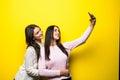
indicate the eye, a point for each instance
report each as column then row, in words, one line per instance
column 55, row 30
column 38, row 32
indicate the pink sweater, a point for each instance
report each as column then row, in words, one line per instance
column 51, row 69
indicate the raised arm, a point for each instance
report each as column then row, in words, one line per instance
column 72, row 44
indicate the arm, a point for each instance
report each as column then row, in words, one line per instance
column 84, row 37
column 31, row 62
column 31, row 66
column 47, row 72
column 52, row 73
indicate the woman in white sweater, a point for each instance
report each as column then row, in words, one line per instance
column 29, row 70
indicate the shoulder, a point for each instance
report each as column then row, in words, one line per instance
column 65, row 44
column 30, row 51
column 42, row 52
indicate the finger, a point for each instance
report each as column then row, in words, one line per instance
column 92, row 16
column 93, row 20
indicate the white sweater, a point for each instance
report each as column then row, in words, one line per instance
column 29, row 70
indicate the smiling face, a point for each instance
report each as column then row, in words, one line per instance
column 56, row 33
column 38, row 34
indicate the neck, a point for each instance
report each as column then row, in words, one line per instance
column 38, row 41
column 53, row 43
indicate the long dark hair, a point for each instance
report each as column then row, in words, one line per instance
column 29, row 31
column 48, row 40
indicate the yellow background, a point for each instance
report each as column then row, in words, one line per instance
column 97, row 59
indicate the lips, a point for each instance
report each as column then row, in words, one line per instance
column 57, row 35
column 40, row 35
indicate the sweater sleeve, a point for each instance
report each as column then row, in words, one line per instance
column 72, row 44
column 31, row 62
column 42, row 68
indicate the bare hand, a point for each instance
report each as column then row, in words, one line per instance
column 64, row 72
column 92, row 19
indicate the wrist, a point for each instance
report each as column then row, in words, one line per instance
column 91, row 25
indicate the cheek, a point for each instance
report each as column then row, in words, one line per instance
column 53, row 35
column 36, row 36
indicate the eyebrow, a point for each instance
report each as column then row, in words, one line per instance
column 38, row 31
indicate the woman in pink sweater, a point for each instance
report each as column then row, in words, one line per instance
column 55, row 54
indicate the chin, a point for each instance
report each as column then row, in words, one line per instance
column 41, row 37
column 57, row 38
